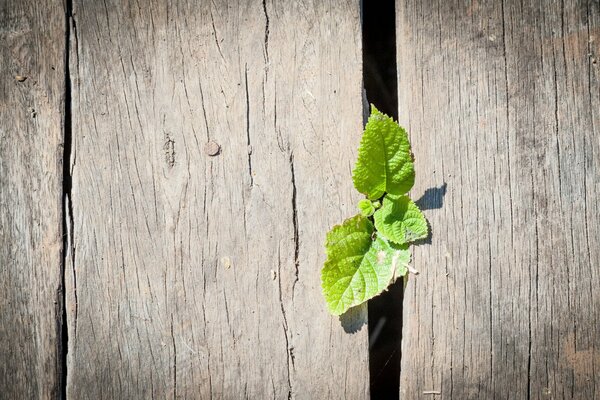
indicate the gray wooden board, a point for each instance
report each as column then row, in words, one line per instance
column 197, row 276
column 32, row 46
column 502, row 102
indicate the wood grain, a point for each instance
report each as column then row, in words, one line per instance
column 197, row 276
column 32, row 50
column 502, row 102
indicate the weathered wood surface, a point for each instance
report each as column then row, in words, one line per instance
column 502, row 102
column 197, row 276
column 31, row 119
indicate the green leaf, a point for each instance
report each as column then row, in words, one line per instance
column 358, row 267
column 400, row 259
column 384, row 158
column 366, row 207
column 400, row 220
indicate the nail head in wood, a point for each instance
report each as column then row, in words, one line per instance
column 212, row 148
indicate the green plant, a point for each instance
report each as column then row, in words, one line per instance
column 366, row 253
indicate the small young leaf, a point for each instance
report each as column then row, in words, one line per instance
column 384, row 158
column 357, row 267
column 400, row 220
column 366, row 207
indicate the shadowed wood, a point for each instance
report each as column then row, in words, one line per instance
column 502, row 102
column 32, row 50
column 196, row 266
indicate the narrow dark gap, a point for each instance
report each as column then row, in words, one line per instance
column 380, row 81
column 379, row 55
column 67, row 214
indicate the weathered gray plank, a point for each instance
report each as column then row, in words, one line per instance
column 198, row 276
column 32, row 46
column 502, row 101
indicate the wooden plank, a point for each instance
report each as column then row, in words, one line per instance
column 502, row 102
column 32, row 50
column 198, row 276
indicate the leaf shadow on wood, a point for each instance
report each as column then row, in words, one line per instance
column 354, row 319
column 432, row 199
